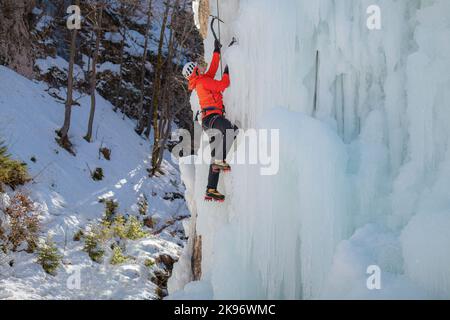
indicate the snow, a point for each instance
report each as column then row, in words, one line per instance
column 45, row 66
column 36, row 11
column 134, row 39
column 69, row 198
column 198, row 290
column 135, row 43
column 43, row 23
column 364, row 183
column 103, row 67
column 109, row 66
column 114, row 37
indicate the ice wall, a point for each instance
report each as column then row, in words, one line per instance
column 374, row 164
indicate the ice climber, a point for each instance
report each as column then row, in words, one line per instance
column 210, row 94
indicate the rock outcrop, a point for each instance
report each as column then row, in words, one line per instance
column 15, row 37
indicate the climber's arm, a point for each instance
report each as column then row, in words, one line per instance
column 214, row 66
column 217, row 85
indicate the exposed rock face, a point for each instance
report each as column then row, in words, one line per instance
column 196, row 262
column 162, row 275
column 15, row 38
column 204, row 13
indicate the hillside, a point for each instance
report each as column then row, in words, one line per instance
column 68, row 198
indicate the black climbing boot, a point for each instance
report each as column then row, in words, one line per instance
column 214, row 195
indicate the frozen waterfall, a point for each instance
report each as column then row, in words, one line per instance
column 364, row 178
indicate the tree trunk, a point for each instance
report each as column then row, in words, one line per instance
column 165, row 137
column 69, row 101
column 160, row 135
column 63, row 133
column 119, row 82
column 98, row 26
column 157, row 83
column 127, row 8
column 141, row 122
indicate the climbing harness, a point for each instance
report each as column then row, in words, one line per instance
column 208, row 109
column 211, row 122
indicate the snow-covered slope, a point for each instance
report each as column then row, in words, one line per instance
column 69, row 198
column 365, row 183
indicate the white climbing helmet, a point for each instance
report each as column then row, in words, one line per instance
column 189, row 69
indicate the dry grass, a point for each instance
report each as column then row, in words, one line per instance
column 12, row 173
column 22, row 225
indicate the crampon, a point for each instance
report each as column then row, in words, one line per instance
column 214, row 195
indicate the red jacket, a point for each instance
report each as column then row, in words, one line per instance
column 210, row 91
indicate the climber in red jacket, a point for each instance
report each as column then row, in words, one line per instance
column 210, row 94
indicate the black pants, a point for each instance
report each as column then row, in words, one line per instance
column 220, row 123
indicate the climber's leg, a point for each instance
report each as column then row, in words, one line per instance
column 224, row 141
column 213, row 178
column 223, row 138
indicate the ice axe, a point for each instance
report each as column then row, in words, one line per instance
column 233, row 42
column 214, row 18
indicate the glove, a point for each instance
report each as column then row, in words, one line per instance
column 217, row 46
column 227, row 70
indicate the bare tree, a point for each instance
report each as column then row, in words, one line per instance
column 180, row 32
column 98, row 8
column 126, row 9
column 63, row 133
column 166, row 101
column 157, row 92
column 141, row 122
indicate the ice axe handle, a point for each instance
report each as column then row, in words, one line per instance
column 214, row 18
